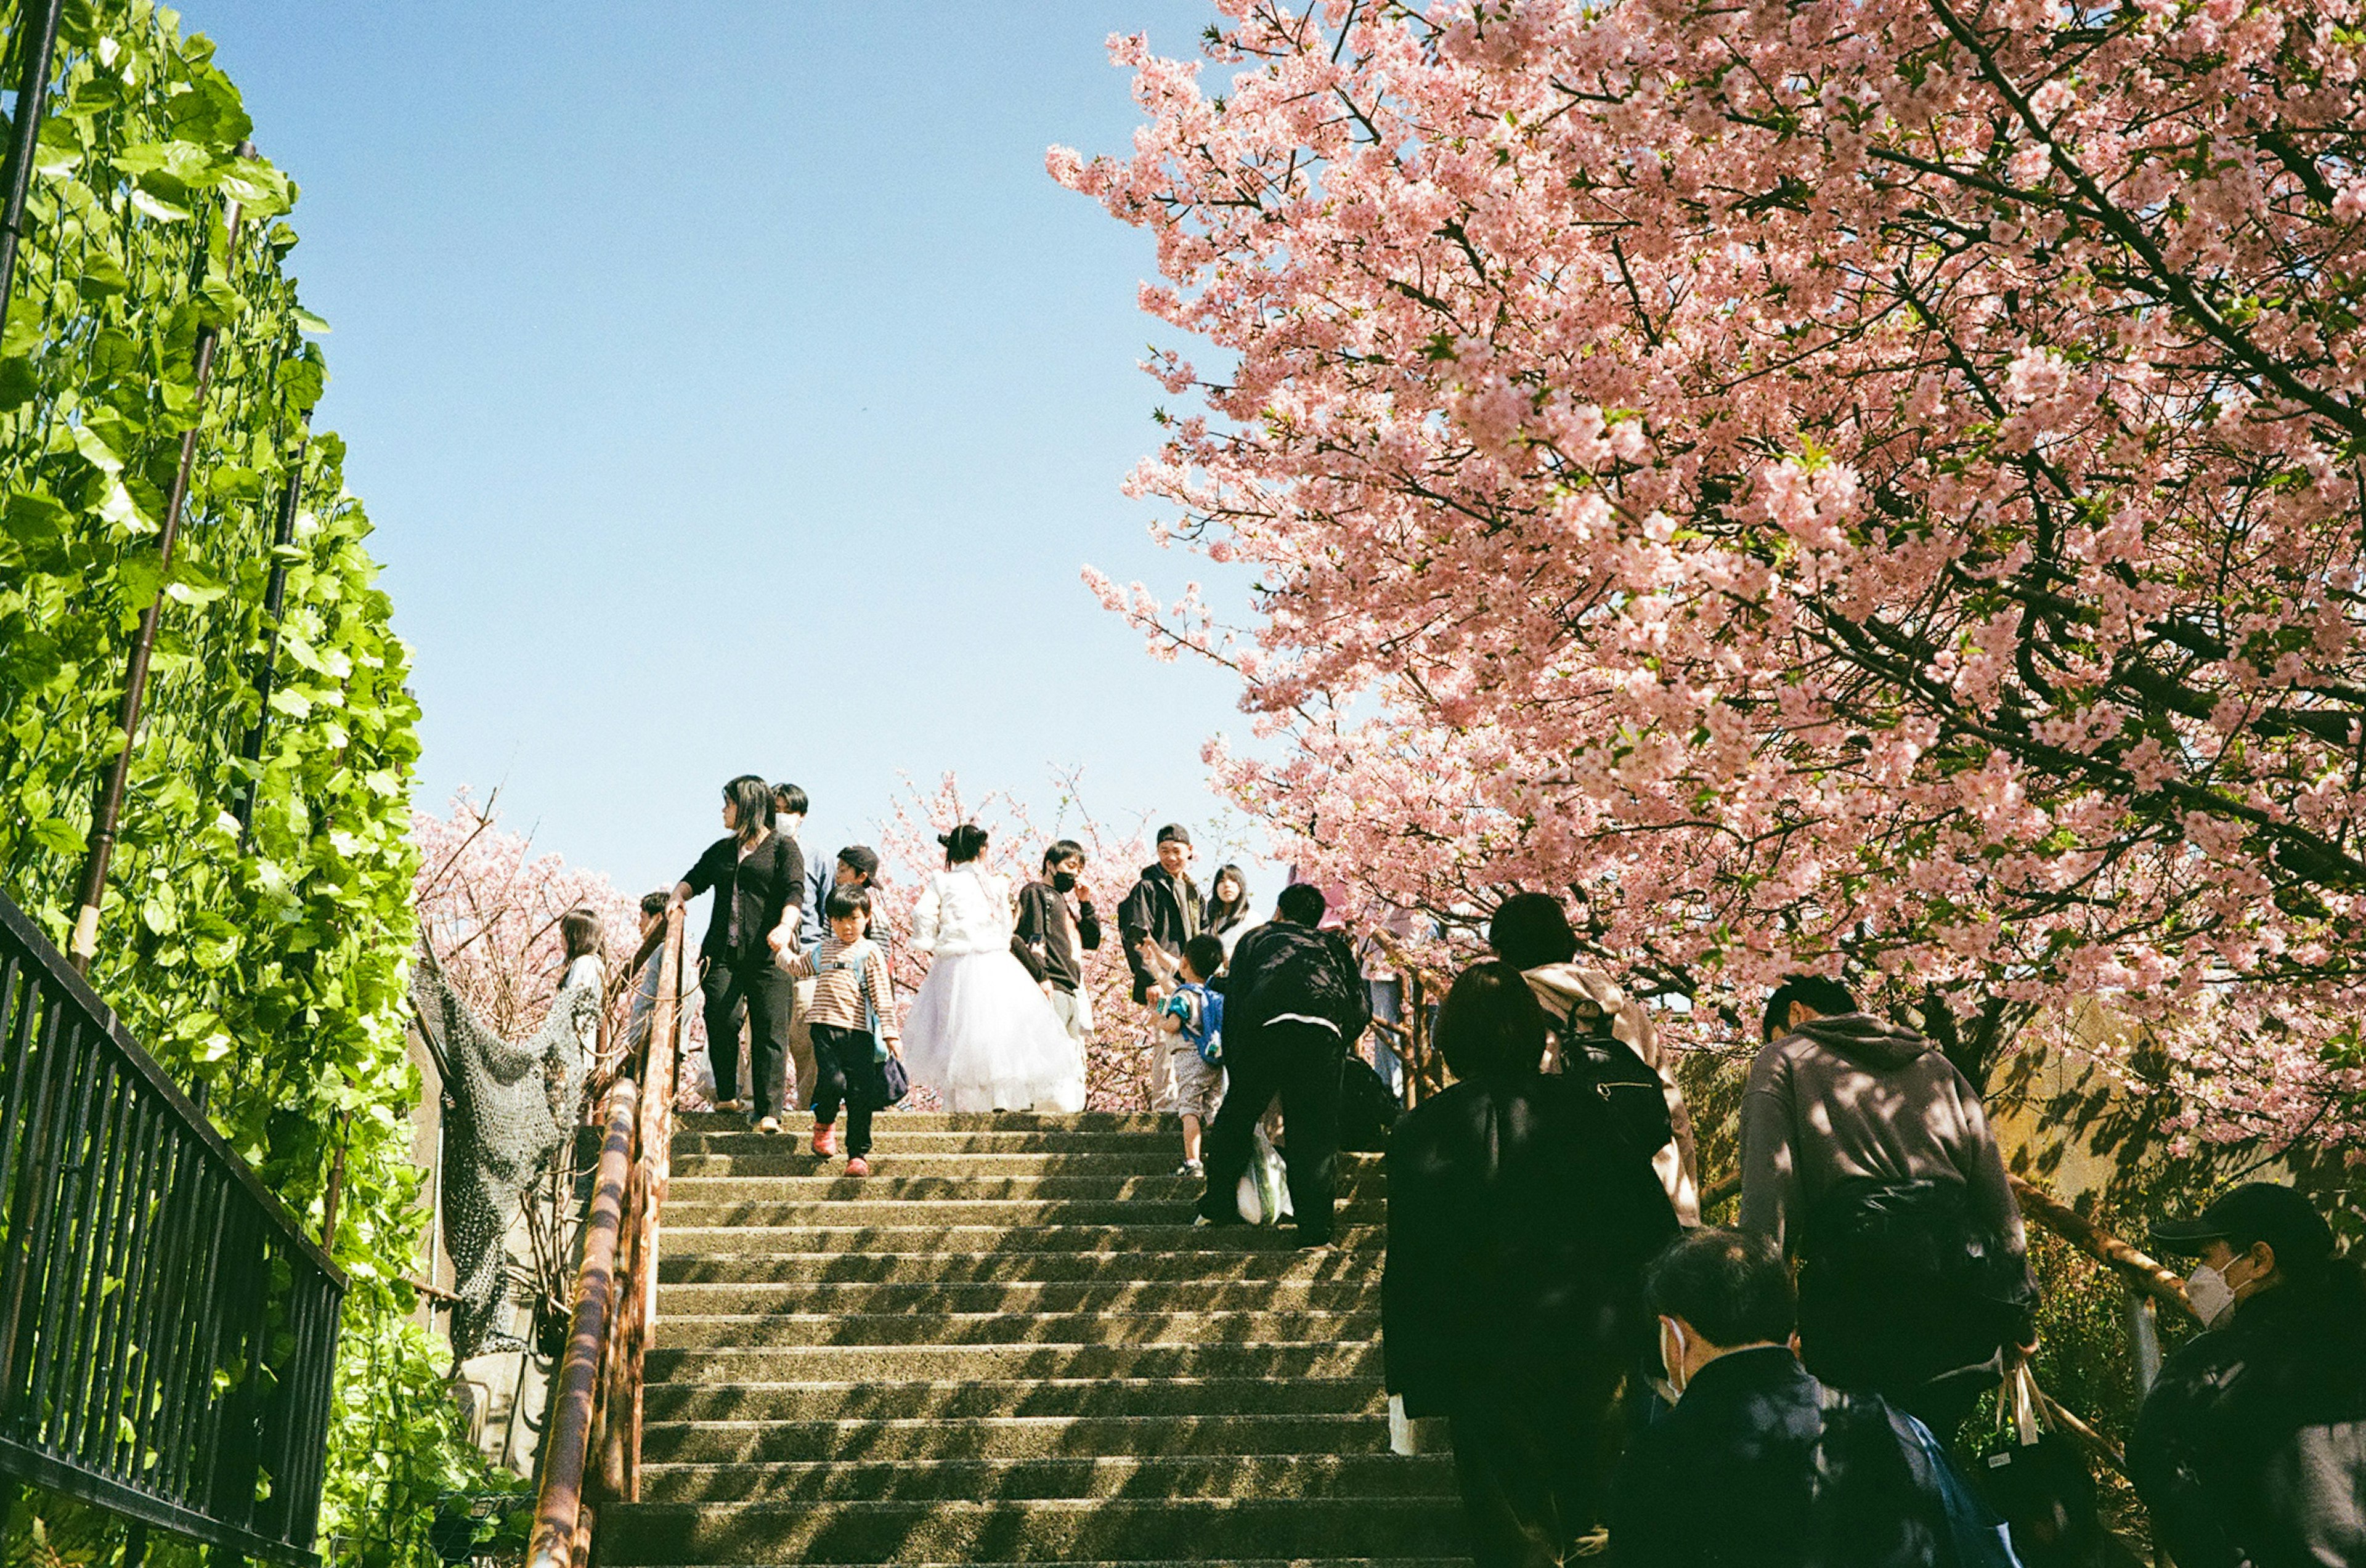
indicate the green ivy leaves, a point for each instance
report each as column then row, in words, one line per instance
column 265, row 962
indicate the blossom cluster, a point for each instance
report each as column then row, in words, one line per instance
column 1865, row 486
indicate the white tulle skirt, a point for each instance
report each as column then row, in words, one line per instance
column 983, row 1036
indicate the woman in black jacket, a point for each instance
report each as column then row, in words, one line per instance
column 1519, row 1224
column 758, row 876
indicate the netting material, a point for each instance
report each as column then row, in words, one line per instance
column 512, row 1109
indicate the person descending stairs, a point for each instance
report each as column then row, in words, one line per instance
column 1011, row 1345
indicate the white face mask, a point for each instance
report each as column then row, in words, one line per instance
column 2212, row 1296
column 1672, row 1353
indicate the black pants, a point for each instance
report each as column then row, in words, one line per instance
column 1300, row 1063
column 1531, row 1456
column 770, row 996
column 846, row 1073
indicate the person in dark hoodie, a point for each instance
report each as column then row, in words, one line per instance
column 1293, row 1006
column 1867, row 1157
column 2251, row 1447
column 1519, row 1224
column 1164, row 908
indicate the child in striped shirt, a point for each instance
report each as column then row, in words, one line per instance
column 853, row 1020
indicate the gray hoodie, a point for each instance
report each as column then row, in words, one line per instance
column 1859, row 1097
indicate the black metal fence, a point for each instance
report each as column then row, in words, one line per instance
column 167, row 1333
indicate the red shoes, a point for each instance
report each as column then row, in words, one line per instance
column 858, row 1166
column 825, row 1138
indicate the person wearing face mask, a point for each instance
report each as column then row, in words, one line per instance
column 1511, row 1303
column 1759, row 1465
column 1057, row 926
column 2250, row 1450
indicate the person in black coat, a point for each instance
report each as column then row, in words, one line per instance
column 1519, row 1224
column 1293, row 1005
column 1164, row 908
column 1759, row 1465
column 2250, row 1450
column 758, row 876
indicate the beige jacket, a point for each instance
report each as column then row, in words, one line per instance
column 1561, row 988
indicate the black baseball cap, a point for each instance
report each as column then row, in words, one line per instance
column 2257, row 1210
column 1174, row 833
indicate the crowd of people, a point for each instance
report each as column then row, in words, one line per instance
column 1786, row 1390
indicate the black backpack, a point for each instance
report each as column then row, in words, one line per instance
column 1627, row 1086
column 1367, row 1111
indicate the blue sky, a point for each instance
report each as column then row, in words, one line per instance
column 732, row 391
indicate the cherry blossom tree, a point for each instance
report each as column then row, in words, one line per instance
column 489, row 909
column 1865, row 486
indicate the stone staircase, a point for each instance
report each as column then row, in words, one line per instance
column 1011, row 1345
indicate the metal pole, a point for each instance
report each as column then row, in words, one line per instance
column 100, row 848
column 24, row 134
column 275, row 598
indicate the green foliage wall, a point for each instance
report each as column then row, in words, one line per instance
column 268, row 973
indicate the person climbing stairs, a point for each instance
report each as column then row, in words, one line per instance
column 1011, row 1345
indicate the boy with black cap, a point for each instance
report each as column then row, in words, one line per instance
column 1165, row 910
column 2251, row 1451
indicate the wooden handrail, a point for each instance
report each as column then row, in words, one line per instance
column 596, row 1399
column 2140, row 1270
column 559, row 1517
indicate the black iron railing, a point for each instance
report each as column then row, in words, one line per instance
column 167, row 1333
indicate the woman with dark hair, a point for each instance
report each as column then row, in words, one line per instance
column 1519, row 1224
column 982, row 1032
column 1228, row 908
column 1601, row 1034
column 759, row 879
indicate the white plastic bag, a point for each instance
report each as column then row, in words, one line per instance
column 1264, row 1195
column 1409, row 1435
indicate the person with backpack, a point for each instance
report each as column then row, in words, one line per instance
column 1604, row 1038
column 1760, row 1464
column 1192, row 1020
column 1293, row 1005
column 1867, row 1157
column 1511, row 1301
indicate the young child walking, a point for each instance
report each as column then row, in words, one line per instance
column 853, row 1022
column 1192, row 1020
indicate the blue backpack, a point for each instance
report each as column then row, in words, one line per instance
column 1208, row 1037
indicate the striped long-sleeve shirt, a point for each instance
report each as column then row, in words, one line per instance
column 850, row 981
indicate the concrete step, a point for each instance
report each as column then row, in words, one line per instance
column 1009, row 1437
column 893, row 1183
column 873, row 1210
column 1049, row 1124
column 912, row 1157
column 1330, row 1264
column 929, row 1363
column 744, row 1142
column 1161, row 1398
column 924, row 1232
column 1034, row 1296
column 1042, row 1531
column 1306, row 1476
column 1229, row 1563
column 781, row 1330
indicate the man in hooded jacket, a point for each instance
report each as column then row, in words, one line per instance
column 1867, row 1156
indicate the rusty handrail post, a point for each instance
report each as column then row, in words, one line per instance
column 558, row 1514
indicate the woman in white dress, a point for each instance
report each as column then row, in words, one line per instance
column 981, row 1032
